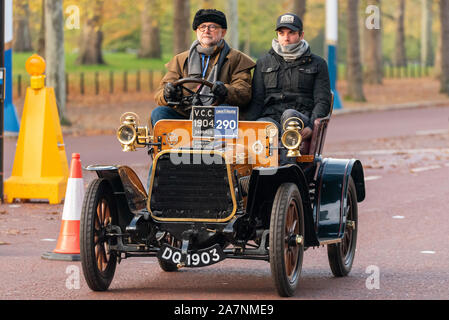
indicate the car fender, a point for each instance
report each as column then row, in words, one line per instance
column 263, row 185
column 331, row 193
column 129, row 193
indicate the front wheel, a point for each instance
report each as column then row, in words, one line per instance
column 99, row 212
column 341, row 255
column 287, row 239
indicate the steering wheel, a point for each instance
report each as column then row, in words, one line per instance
column 193, row 98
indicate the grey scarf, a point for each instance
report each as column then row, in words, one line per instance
column 195, row 65
column 290, row 52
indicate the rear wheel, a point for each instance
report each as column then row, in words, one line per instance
column 99, row 212
column 341, row 255
column 286, row 239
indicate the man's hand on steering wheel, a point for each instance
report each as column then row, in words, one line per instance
column 172, row 93
column 220, row 90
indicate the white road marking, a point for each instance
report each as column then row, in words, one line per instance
column 428, row 252
column 370, row 178
column 431, row 132
column 49, row 240
column 398, row 217
column 414, row 170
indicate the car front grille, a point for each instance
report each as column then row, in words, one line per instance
column 193, row 190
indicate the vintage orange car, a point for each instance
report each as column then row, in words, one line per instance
column 217, row 191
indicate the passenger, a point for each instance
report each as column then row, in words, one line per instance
column 290, row 81
column 209, row 58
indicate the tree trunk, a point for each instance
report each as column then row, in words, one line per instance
column 437, row 64
column 41, row 38
column 22, row 36
column 426, row 34
column 355, row 78
column 444, row 19
column 372, row 53
column 55, row 58
column 400, row 58
column 182, row 27
column 150, row 43
column 92, row 36
column 233, row 24
column 299, row 8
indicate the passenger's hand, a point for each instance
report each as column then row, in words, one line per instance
column 220, row 90
column 171, row 93
column 306, row 133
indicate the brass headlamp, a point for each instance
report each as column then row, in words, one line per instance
column 130, row 134
column 291, row 139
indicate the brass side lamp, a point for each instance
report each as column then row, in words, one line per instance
column 291, row 138
column 130, row 134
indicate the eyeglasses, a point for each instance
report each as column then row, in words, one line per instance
column 211, row 27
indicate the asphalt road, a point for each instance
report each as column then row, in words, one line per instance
column 402, row 238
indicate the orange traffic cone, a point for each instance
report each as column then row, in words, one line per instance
column 68, row 245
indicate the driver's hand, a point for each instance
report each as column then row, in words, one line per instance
column 220, row 90
column 171, row 93
column 306, row 133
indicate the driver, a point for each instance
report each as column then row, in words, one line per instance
column 209, row 58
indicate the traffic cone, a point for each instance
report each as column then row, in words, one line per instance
column 68, row 245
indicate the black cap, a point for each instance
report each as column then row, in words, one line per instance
column 289, row 20
column 209, row 15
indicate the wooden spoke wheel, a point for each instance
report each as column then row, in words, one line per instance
column 287, row 239
column 98, row 212
column 341, row 255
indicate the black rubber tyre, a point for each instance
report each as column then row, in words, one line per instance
column 98, row 211
column 287, row 222
column 167, row 266
column 341, row 255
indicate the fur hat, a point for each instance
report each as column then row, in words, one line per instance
column 209, row 15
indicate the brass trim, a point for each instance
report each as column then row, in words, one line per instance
column 231, row 186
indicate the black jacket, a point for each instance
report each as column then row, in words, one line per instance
column 279, row 85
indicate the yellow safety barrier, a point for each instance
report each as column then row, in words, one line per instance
column 40, row 168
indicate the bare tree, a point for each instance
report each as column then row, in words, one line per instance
column 41, row 38
column 22, row 38
column 150, row 43
column 299, row 8
column 444, row 19
column 400, row 58
column 372, row 53
column 92, row 35
column 54, row 48
column 182, row 28
column 233, row 23
column 426, row 33
column 355, row 77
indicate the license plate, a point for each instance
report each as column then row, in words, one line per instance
column 215, row 122
column 194, row 259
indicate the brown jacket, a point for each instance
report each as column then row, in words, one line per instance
column 235, row 74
